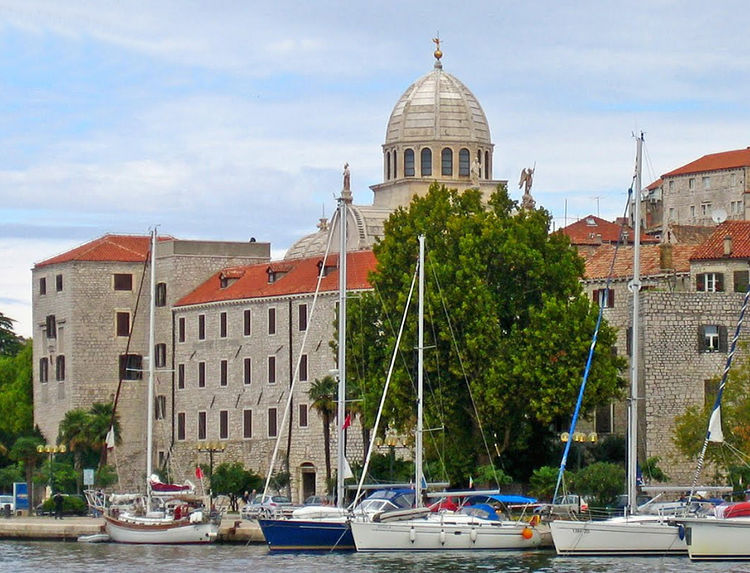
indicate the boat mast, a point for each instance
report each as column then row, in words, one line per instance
column 635, row 288
column 344, row 201
column 151, row 338
column 420, row 381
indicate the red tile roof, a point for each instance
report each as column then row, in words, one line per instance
column 592, row 230
column 715, row 162
column 599, row 262
column 713, row 247
column 301, row 277
column 111, row 248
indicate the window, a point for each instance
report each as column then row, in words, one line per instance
column 463, row 162
column 272, row 431
column 201, row 327
column 605, row 298
column 671, row 213
column 43, row 370
column 395, row 164
column 161, row 294
column 712, row 338
column 248, row 322
column 224, row 369
column 247, row 423
column 387, row 165
column 201, row 425
column 123, row 281
column 303, row 415
column 671, row 185
column 271, row 321
column 709, row 282
column 303, row 368
column 705, row 209
column 272, row 370
column 223, row 424
column 487, row 165
column 409, row 163
column 707, row 183
column 60, row 368
column 59, row 283
column 692, row 211
column 43, row 285
column 604, row 419
column 741, row 279
column 426, row 162
column 691, row 183
column 201, row 374
column 248, row 371
column 181, row 425
column 51, row 326
column 446, row 160
column 131, row 367
column 122, row 321
column 302, row 311
column 223, row 325
column 160, row 355
column 180, row 376
column 160, row 407
column 733, row 179
column 181, row 329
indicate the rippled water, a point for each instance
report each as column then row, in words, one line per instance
column 111, row 558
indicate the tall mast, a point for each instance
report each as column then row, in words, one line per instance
column 420, row 380
column 151, row 340
column 635, row 287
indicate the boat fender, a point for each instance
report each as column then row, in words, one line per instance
column 473, row 535
column 442, row 537
column 681, row 532
column 526, row 533
column 412, row 534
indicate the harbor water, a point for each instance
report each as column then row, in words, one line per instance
column 21, row 557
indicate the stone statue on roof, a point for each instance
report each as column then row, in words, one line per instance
column 527, row 178
column 347, row 178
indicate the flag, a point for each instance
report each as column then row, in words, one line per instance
column 110, row 439
column 198, row 472
column 347, row 470
column 347, row 422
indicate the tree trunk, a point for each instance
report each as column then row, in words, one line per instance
column 327, row 445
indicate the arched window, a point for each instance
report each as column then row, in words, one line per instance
column 487, row 167
column 463, row 162
column 446, row 158
column 426, row 166
column 387, row 165
column 409, row 163
column 395, row 165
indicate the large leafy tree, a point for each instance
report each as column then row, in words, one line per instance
column 10, row 342
column 16, row 392
column 232, row 480
column 507, row 327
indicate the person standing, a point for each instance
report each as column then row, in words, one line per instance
column 59, row 501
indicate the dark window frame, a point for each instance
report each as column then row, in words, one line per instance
column 160, row 355
column 273, row 426
column 201, row 327
column 59, row 283
column 303, row 415
column 131, row 367
column 223, row 325
column 425, row 162
column 247, row 423
column 42, row 286
column 122, row 281
column 712, row 343
column 180, row 376
column 161, row 294
column 709, row 282
column 247, row 372
column 409, row 162
column 181, row 329
column 446, row 162
column 201, row 374
column 302, row 317
column 202, row 425
column 122, row 323
column 272, row 320
column 464, row 162
column 223, row 373
column 223, row 424
column 44, row 370
column 181, row 426
column 247, row 318
column 272, row 369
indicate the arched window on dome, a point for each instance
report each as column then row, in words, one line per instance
column 487, row 166
column 409, row 163
column 387, row 165
column 395, row 164
column 426, row 162
column 446, row 159
column 463, row 162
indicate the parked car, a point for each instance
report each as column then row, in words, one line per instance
column 567, row 505
column 266, row 504
column 318, row 500
column 7, row 500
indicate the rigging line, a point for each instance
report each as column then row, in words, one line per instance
column 295, row 376
column 579, row 401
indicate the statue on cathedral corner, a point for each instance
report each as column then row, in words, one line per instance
column 527, row 178
column 347, row 178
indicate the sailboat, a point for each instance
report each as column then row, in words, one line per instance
column 176, row 521
column 633, row 533
column 419, row 529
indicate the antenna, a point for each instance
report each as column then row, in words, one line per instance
column 719, row 215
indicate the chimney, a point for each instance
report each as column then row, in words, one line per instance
column 728, row 246
column 665, row 256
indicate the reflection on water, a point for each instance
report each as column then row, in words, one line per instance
column 112, row 558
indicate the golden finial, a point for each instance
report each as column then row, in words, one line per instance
column 438, row 53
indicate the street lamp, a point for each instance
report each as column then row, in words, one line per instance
column 211, row 448
column 581, row 438
column 391, row 440
column 51, row 450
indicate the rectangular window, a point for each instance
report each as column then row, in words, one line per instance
column 691, row 183
column 707, row 183
column 248, row 322
column 60, row 368
column 160, row 407
column 303, row 368
column 59, row 283
column 181, row 425
column 51, row 326
column 160, row 355
column 131, row 367
column 181, row 329
column 201, row 327
column 161, row 294
column 223, row 325
column 180, row 376
column 122, row 322
column 247, row 423
column 302, row 317
column 43, row 285
column 705, row 209
column 712, row 338
column 201, row 425
column 303, row 415
column 692, row 211
column 740, row 281
column 224, row 373
column 223, row 424
column 272, row 430
column 201, row 374
column 123, row 281
column 709, row 282
column 248, row 371
column 605, row 298
column 671, row 214
column 671, row 185
column 43, row 370
column 271, row 321
column 272, row 370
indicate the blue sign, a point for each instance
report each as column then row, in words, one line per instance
column 21, row 495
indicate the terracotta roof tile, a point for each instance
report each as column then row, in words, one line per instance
column 715, row 162
column 592, row 230
column 301, row 277
column 713, row 247
column 114, row 248
column 599, row 262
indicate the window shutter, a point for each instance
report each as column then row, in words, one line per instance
column 700, row 282
column 741, row 280
column 611, row 298
column 723, row 339
column 629, row 341
column 701, row 339
column 595, row 296
column 719, row 282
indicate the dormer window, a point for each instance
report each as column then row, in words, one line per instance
column 328, row 267
column 228, row 277
column 276, row 271
column 590, row 221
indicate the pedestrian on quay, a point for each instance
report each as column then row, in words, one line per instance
column 59, row 500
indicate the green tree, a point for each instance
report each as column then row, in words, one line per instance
column 505, row 315
column 322, row 394
column 25, row 451
column 16, row 392
column 75, row 432
column 543, row 481
column 232, row 480
column 10, row 342
column 602, row 480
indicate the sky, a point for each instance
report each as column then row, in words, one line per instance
column 227, row 120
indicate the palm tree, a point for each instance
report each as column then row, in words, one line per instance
column 102, row 419
column 75, row 432
column 25, row 450
column 322, row 393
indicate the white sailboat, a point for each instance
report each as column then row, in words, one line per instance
column 633, row 533
column 418, row 529
column 174, row 523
